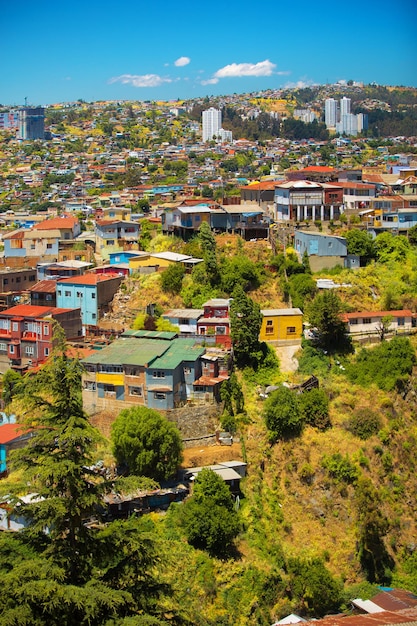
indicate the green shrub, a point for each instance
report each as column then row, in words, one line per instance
column 314, row 406
column 364, row 423
column 341, row 468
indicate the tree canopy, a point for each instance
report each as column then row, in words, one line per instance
column 245, row 324
column 147, row 443
column 209, row 518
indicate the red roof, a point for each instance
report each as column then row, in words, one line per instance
column 8, row 432
column 44, row 286
column 385, row 618
column 352, row 185
column 88, row 279
column 56, row 223
column 30, row 310
column 356, row 314
column 318, row 168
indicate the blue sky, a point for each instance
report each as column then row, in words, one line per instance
column 135, row 50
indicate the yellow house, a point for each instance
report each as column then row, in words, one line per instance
column 281, row 325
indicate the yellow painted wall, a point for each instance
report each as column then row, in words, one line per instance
column 280, row 324
column 111, row 379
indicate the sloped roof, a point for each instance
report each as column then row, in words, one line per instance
column 31, row 310
column 129, row 351
column 88, row 279
column 8, row 432
column 57, row 223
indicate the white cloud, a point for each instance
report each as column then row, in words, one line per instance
column 263, row 68
column 210, row 81
column 147, row 80
column 182, row 61
column 300, row 84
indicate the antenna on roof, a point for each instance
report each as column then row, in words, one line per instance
column 26, row 101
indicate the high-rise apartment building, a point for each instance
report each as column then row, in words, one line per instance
column 212, row 123
column 32, row 123
column 331, row 112
column 345, row 106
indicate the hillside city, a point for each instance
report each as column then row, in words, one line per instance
column 208, row 316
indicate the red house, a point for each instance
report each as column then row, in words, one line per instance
column 215, row 321
column 26, row 334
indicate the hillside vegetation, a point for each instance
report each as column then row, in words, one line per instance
column 329, row 504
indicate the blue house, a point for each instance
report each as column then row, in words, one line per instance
column 324, row 251
column 170, row 376
column 145, row 368
column 92, row 293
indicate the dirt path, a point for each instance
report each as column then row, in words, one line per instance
column 287, row 360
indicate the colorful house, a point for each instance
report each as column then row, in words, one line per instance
column 92, row 293
column 26, row 333
column 144, row 368
column 370, row 323
column 281, row 325
column 215, row 321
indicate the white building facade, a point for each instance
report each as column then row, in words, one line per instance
column 212, row 123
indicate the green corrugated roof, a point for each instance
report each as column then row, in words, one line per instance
column 150, row 334
column 129, row 351
column 178, row 351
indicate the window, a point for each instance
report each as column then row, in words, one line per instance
column 46, row 352
column 11, row 348
column 109, row 390
column 366, row 320
column 89, row 385
column 93, row 316
column 158, row 395
column 49, row 246
column 203, row 330
column 158, row 374
column 3, row 347
column 30, row 350
column 6, row 281
column 220, row 330
column 187, row 370
column 15, row 326
column 290, row 330
column 110, row 369
column 354, row 321
column 400, row 321
column 18, row 279
column 136, row 391
column 59, row 292
column 67, row 294
column 46, row 329
column 79, row 294
column 93, row 295
column 32, row 246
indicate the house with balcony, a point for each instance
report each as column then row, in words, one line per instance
column 91, row 293
column 304, row 200
column 215, row 321
column 357, row 196
column 146, row 368
column 61, row 269
column 283, row 326
column 185, row 221
column 26, row 333
column 393, row 213
column 113, row 235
